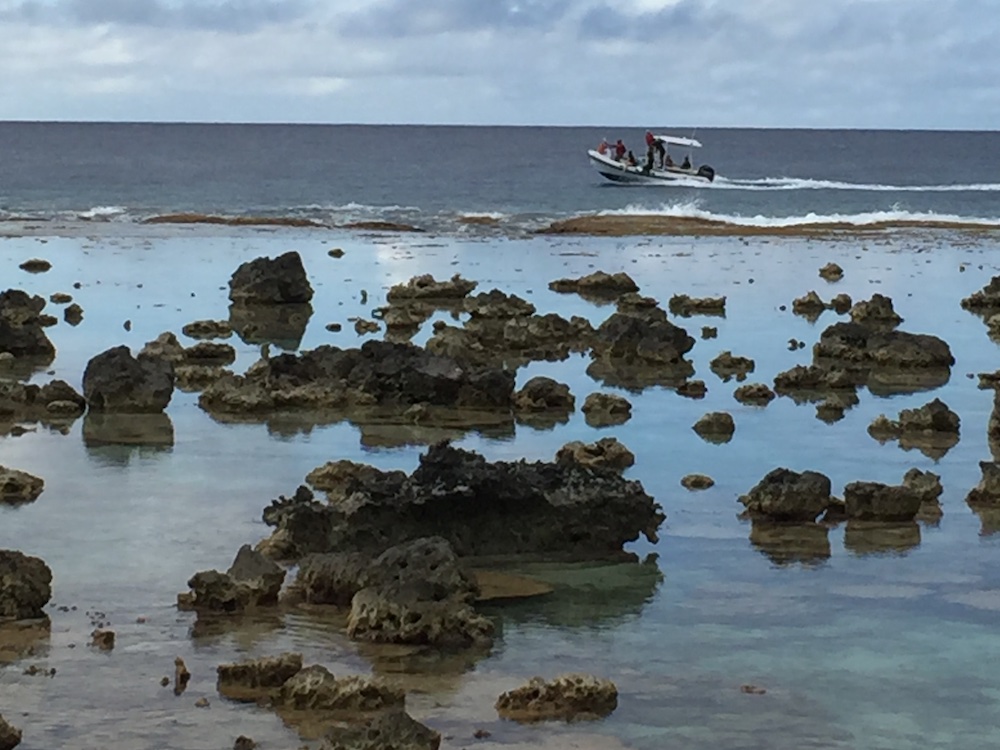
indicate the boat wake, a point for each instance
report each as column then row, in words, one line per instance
column 793, row 183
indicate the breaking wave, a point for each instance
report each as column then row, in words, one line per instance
column 793, row 183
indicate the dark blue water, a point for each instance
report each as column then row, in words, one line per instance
column 526, row 176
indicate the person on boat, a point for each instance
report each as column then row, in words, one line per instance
column 687, row 163
column 654, row 145
column 604, row 147
column 631, row 159
column 620, row 150
column 668, row 161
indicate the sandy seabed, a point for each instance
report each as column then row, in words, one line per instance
column 869, row 648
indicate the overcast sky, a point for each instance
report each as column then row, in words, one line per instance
column 762, row 63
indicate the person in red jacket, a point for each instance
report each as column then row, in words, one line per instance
column 620, row 150
column 654, row 146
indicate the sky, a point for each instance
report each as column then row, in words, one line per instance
column 910, row 64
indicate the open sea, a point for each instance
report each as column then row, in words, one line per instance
column 862, row 639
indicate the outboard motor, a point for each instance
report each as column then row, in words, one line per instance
column 707, row 172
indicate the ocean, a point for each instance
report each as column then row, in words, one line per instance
column 860, row 638
column 525, row 177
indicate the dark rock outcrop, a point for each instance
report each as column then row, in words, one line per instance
column 639, row 349
column 785, row 495
column 55, row 403
column 754, row 394
column 10, row 737
column 876, row 313
column 598, row 284
column 21, row 331
column 115, row 381
column 715, row 427
column 606, row 410
column 497, row 341
column 685, row 306
column 426, row 287
column 831, row 272
column 267, row 281
column 986, row 301
column 252, row 581
column 480, row 508
column 315, row 688
column 569, row 697
column 606, row 453
column 25, row 586
column 251, row 680
column 873, row 501
column 727, row 366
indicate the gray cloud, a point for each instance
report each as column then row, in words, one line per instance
column 401, row 18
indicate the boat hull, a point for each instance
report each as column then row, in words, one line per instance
column 617, row 171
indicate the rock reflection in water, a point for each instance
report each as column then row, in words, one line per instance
column 934, row 445
column 875, row 537
column 116, row 438
column 989, row 519
column 893, row 382
column 401, row 435
column 785, row 544
column 281, row 325
column 24, row 638
column 635, row 377
column 245, row 632
column 583, row 594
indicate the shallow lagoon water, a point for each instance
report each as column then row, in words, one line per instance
column 869, row 648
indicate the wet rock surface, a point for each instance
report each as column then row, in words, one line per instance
column 208, row 329
column 21, row 332
column 831, row 272
column 716, row 427
column 606, row 410
column 315, row 688
column 640, row 349
column 25, row 586
column 252, row 581
column 10, row 736
column 685, row 306
column 728, row 366
column 873, row 501
column 597, row 284
column 18, row 487
column 568, row 697
column 543, row 394
column 392, row 729
column 876, row 313
column 606, row 453
column 932, row 429
column 267, row 281
column 254, row 679
column 480, row 508
column 379, row 375
column 426, row 287
column 786, row 495
column 115, row 381
column 754, row 394
column 55, row 403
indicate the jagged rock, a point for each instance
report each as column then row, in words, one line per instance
column 481, row 508
column 25, row 586
column 244, row 743
column 755, row 394
column 606, row 410
column 841, row 303
column 934, row 416
column 858, row 345
column 21, row 332
column 933, row 428
column 115, row 381
column 785, row 495
column 831, row 272
column 987, row 493
column 499, row 305
column 568, row 697
column 876, row 313
column 337, row 478
column 208, row 329
column 380, row 374
column 512, row 341
column 426, row 287
column 103, row 639
column 251, row 680
column 543, row 394
column 165, row 346
column 47, row 321
column 715, row 427
column 198, row 377
column 363, row 327
column 316, row 689
column 266, row 281
column 927, row 486
column 18, row 487
column 10, row 737
column 810, row 306
column 813, row 378
column 697, row 482
column 210, row 353
column 252, row 581
column 873, row 501
column 642, row 339
column 605, row 453
column 73, row 314
column 685, row 306
column 598, row 284
column 392, row 730
column 333, row 577
column 727, row 366
column 986, row 300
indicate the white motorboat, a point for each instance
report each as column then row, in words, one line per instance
column 643, row 172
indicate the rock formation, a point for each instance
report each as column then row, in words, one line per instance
column 569, row 697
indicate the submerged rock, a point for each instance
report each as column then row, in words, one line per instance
column 785, row 495
column 267, row 281
column 426, row 287
column 697, row 481
column 316, row 689
column 480, row 508
column 390, row 730
column 25, row 586
column 568, row 697
column 253, row 679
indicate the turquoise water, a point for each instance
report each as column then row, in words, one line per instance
column 877, row 649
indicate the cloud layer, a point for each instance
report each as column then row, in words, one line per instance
column 757, row 63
